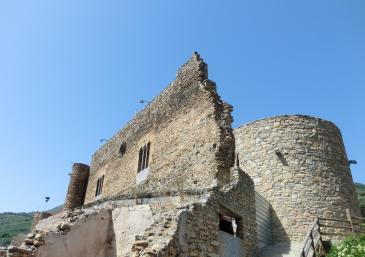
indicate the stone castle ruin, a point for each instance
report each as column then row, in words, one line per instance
column 177, row 180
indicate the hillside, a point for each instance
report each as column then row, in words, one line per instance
column 12, row 224
column 56, row 209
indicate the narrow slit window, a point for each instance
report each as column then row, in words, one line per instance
column 99, row 186
column 102, row 183
column 148, row 153
column 140, row 160
column 144, row 157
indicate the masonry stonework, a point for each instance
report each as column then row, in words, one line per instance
column 189, row 130
column 37, row 217
column 299, row 164
column 185, row 225
column 167, row 185
column 77, row 187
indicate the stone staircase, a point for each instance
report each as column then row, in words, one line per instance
column 282, row 249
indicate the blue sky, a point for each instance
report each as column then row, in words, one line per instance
column 72, row 72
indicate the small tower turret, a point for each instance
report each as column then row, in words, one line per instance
column 77, row 187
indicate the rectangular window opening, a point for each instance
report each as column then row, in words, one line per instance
column 97, row 188
column 140, row 160
column 230, row 223
column 148, row 153
column 144, row 157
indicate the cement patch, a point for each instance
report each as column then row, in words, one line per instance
column 129, row 222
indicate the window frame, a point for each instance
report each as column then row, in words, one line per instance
column 144, row 157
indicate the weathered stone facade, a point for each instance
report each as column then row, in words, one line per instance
column 299, row 164
column 197, row 226
column 166, row 185
column 183, row 144
column 190, row 135
column 165, row 226
column 77, row 187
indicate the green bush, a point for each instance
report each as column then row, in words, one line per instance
column 351, row 247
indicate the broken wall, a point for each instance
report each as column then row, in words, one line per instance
column 192, row 144
column 89, row 237
column 196, row 226
column 185, row 225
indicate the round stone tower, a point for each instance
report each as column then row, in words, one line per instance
column 77, row 187
column 299, row 164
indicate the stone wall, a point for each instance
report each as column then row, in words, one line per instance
column 89, row 236
column 37, row 217
column 299, row 164
column 77, row 186
column 239, row 198
column 129, row 222
column 192, row 229
column 264, row 221
column 184, row 225
column 13, row 251
column 192, row 143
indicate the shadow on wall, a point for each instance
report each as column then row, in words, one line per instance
column 282, row 245
column 278, row 231
column 111, row 248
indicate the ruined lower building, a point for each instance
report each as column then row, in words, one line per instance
column 177, row 180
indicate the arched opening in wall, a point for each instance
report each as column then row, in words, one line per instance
column 122, row 149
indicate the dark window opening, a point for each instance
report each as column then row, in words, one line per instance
column 230, row 223
column 140, row 160
column 227, row 224
column 99, row 186
column 148, row 153
column 122, row 149
column 143, row 158
column 282, row 158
